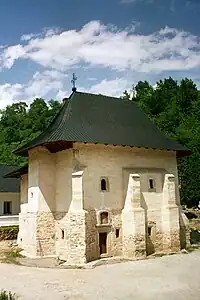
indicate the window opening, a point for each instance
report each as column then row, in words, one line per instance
column 151, row 184
column 117, row 233
column 7, row 208
column 149, row 230
column 63, row 234
column 103, row 185
column 104, row 218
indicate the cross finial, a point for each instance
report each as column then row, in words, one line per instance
column 73, row 81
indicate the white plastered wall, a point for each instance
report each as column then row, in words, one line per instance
column 41, row 181
column 63, row 177
column 117, row 163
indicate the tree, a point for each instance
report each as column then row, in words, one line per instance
column 20, row 124
column 175, row 108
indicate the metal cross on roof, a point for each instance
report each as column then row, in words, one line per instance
column 73, row 81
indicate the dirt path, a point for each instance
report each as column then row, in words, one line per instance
column 171, row 277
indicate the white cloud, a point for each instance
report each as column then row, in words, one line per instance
column 10, row 55
column 106, row 46
column 42, row 83
column 27, row 37
column 39, row 86
column 96, row 45
column 9, row 93
column 113, row 88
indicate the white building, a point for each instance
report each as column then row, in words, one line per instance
column 101, row 181
column 9, row 197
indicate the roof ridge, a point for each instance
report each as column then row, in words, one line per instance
column 129, row 101
column 102, row 95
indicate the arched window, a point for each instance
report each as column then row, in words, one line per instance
column 104, row 184
column 104, row 217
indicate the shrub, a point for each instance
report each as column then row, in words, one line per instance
column 9, row 232
column 7, row 296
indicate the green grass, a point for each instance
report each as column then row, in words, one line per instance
column 11, row 256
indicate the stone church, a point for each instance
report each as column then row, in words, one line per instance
column 101, row 181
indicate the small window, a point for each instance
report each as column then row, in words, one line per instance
column 152, row 185
column 62, row 234
column 149, row 230
column 7, row 208
column 117, row 232
column 104, row 184
column 104, row 217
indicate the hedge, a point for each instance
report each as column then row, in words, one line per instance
column 7, row 296
column 9, row 232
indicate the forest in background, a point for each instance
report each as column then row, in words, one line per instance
column 173, row 106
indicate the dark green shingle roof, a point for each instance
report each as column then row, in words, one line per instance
column 10, row 185
column 17, row 172
column 105, row 120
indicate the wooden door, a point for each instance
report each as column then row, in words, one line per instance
column 103, row 242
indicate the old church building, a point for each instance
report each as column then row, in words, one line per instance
column 101, row 181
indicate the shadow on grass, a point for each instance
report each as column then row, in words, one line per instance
column 11, row 256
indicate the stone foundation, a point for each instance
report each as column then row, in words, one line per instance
column 92, row 249
column 37, row 233
column 27, row 233
column 73, row 237
column 116, row 243
column 134, row 246
column 75, row 253
column 154, row 239
column 171, row 241
column 45, row 234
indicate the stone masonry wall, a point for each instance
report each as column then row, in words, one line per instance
column 68, row 227
column 70, row 236
column 92, row 249
column 37, row 233
column 45, row 234
column 116, row 242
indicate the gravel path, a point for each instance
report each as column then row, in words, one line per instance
column 174, row 277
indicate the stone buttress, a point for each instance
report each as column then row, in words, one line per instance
column 133, row 220
column 170, row 216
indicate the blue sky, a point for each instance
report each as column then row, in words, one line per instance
column 109, row 44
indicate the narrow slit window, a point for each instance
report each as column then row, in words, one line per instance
column 62, row 234
column 149, row 230
column 103, row 185
column 151, row 184
column 117, row 233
